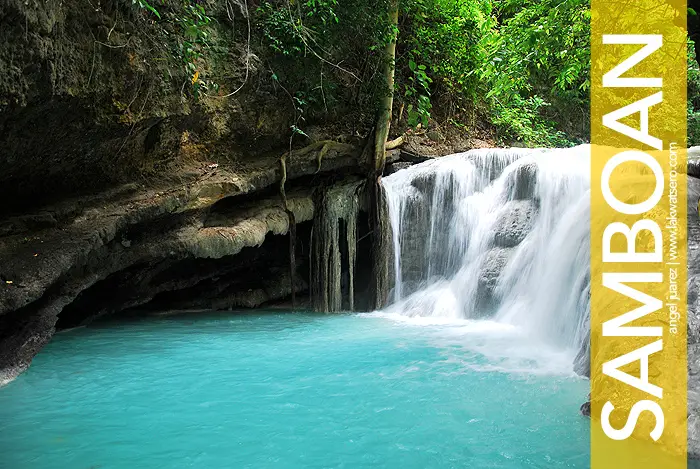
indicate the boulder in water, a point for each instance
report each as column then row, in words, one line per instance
column 524, row 182
column 586, row 409
column 491, row 268
column 391, row 168
column 514, row 223
column 424, row 182
column 694, row 162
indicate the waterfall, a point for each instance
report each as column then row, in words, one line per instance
column 501, row 235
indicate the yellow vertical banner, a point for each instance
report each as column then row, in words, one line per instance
column 638, row 234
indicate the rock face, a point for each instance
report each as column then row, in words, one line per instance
column 398, row 166
column 693, row 318
column 218, row 241
column 586, row 409
column 491, row 269
column 524, row 182
column 432, row 211
column 334, row 247
column 514, row 223
column 125, row 182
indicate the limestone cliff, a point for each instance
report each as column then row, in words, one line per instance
column 136, row 172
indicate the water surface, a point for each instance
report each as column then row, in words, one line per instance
column 294, row 391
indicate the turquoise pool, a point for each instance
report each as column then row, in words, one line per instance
column 273, row 390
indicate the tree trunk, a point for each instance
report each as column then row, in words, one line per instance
column 384, row 118
column 377, row 202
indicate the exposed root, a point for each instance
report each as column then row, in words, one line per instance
column 292, row 226
column 393, row 144
column 321, row 154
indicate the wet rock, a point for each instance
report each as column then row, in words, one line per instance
column 81, row 258
column 582, row 362
column 524, row 182
column 393, row 156
column 694, row 167
column 413, row 156
column 586, row 408
column 394, row 167
column 514, row 223
column 694, row 162
column 425, row 182
column 693, row 318
column 491, row 269
column 414, row 241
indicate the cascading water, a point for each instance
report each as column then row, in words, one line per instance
column 496, row 235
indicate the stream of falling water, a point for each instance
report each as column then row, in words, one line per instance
column 496, row 240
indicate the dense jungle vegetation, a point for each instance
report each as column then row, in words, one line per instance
column 456, row 60
column 521, row 66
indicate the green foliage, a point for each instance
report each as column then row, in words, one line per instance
column 520, row 61
column 278, row 31
column 418, row 85
column 145, row 5
column 521, row 64
column 446, row 36
column 693, row 98
column 290, row 28
column 538, row 56
column 193, row 42
column 522, row 120
column 324, row 53
column 438, row 55
column 524, row 64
